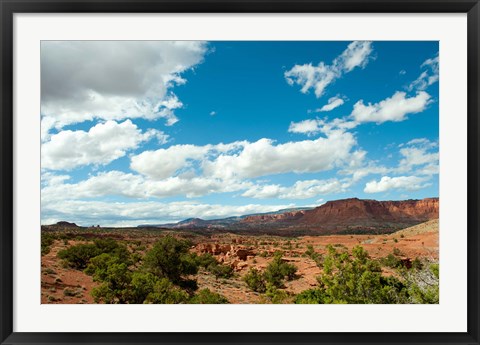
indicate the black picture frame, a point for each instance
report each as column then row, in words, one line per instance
column 9, row 8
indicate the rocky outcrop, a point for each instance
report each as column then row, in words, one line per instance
column 353, row 214
column 225, row 251
column 276, row 217
column 371, row 213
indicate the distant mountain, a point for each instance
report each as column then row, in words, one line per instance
column 340, row 216
column 66, row 224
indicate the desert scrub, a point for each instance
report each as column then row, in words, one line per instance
column 46, row 241
column 205, row 296
column 278, row 270
column 69, row 292
column 79, row 256
column 255, row 280
column 312, row 254
column 354, row 278
column 275, row 295
column 49, row 270
column 274, row 275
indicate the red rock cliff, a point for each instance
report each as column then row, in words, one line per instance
column 356, row 213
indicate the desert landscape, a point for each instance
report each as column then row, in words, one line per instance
column 242, row 172
column 281, row 257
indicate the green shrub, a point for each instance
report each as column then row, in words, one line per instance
column 423, row 284
column 205, row 296
column 255, row 280
column 46, row 241
column 170, row 258
column 69, row 292
column 79, row 256
column 417, row 264
column 397, row 252
column 221, row 271
column 357, row 279
column 275, row 295
column 312, row 254
column 206, row 260
column 277, row 271
column 142, row 284
column 164, row 292
column 116, row 278
column 391, row 261
column 311, row 296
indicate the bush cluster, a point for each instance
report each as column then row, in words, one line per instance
column 274, row 275
column 211, row 264
column 162, row 276
column 79, row 256
column 355, row 278
column 46, row 242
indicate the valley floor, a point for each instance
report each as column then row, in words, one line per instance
column 62, row 285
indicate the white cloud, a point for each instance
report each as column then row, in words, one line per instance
column 213, row 113
column 429, row 76
column 319, row 77
column 361, row 172
column 401, row 182
column 117, row 183
column 164, row 163
column 102, row 144
column 333, row 102
column 149, row 212
column 311, row 126
column 263, row 157
column 314, row 126
column 420, row 152
column 356, row 55
column 395, row 108
column 240, row 160
column 113, row 80
column 300, row 190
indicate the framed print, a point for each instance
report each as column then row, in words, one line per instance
column 239, row 172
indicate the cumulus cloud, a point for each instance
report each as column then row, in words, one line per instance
column 113, row 80
column 318, row 77
column 300, row 190
column 264, row 157
column 394, row 108
column 102, row 144
column 333, row 102
column 164, row 163
column 311, row 126
column 421, row 153
column 387, row 183
column 428, row 76
column 117, row 183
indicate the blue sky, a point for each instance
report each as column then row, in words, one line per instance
column 143, row 132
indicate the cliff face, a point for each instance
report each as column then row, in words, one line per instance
column 356, row 209
column 356, row 214
column 280, row 217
